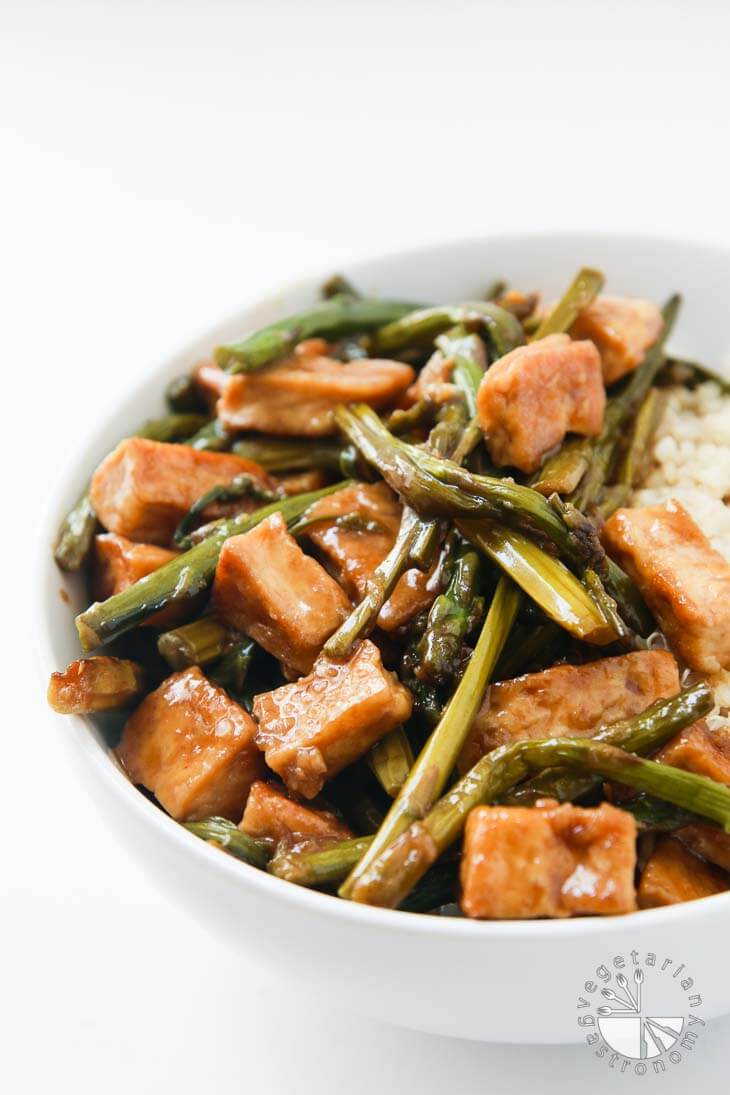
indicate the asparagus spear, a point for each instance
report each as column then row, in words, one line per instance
column 321, row 866
column 340, row 315
column 645, row 733
column 433, row 766
column 391, row 759
column 183, row 578
column 244, row 485
column 631, row 465
column 218, row 830
column 182, row 394
column 399, row 867
column 197, row 643
column 449, row 620
column 502, row 330
column 95, row 684
column 279, row 455
column 544, row 578
column 653, row 815
column 76, row 534
column 586, row 285
column 561, row 473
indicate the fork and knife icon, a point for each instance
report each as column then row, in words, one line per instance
column 630, row 1003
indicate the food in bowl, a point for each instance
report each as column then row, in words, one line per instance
column 399, row 601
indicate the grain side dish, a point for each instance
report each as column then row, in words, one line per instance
column 427, row 606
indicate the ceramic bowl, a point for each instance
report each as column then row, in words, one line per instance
column 501, row 982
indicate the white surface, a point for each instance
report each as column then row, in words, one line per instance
column 161, row 161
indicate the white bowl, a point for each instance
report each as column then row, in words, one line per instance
column 508, row 982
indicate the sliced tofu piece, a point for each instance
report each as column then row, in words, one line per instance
column 532, row 397
column 119, row 563
column 95, row 684
column 193, row 748
column 550, row 860
column 353, row 554
column 312, row 729
column 144, row 488
column 708, row 842
column 298, row 396
column 266, row 587
column 272, row 815
column 673, row 874
column 685, row 582
column 700, row 750
column 570, row 700
column 622, row 328
column 434, row 381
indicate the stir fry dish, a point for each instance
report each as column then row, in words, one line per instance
column 427, row 606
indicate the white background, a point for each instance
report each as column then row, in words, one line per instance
column 161, row 163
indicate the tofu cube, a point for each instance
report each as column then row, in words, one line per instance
column 673, row 874
column 622, row 329
column 272, row 815
column 549, row 861
column 193, row 748
column 312, row 729
column 118, row 563
column 266, row 587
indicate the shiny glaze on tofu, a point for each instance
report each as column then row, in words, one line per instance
column 313, row 728
column 551, row 860
column 118, row 563
column 532, row 397
column 272, row 815
column 266, row 587
column 353, row 554
column 622, row 329
column 298, row 396
column 570, row 700
column 673, row 874
column 685, row 582
column 99, row 683
column 144, row 488
column 193, row 748
column 700, row 750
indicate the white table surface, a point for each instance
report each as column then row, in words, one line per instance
column 162, row 162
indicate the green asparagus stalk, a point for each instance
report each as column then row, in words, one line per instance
column 231, row 671
column 645, row 733
column 501, row 329
column 391, row 759
column 197, row 643
column 213, row 437
column 282, row 455
column 433, row 766
column 543, row 578
column 561, row 473
column 449, row 620
column 528, row 644
column 220, row 831
column 183, row 394
column 76, row 535
column 244, row 485
column 399, row 867
column 584, row 288
column 340, row 315
column 183, row 578
column 653, row 815
column 321, row 866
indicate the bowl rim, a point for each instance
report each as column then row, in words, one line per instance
column 102, row 763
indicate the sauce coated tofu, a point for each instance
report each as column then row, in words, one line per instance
column 272, row 815
column 298, row 396
column 434, row 381
column 533, row 396
column 571, row 701
column 551, row 861
column 101, row 683
column 673, row 874
column 685, row 582
column 700, row 750
column 193, row 748
column 144, row 488
column 707, row 841
column 353, row 554
column 312, row 729
column 119, row 563
column 266, row 587
column 622, row 329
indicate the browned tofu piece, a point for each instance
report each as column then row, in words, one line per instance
column 95, row 684
column 193, row 748
column 708, row 842
column 700, row 750
column 268, row 588
column 299, row 482
column 353, row 554
column 144, row 488
column 685, row 582
column 434, row 381
column 119, row 563
column 551, row 860
column 570, row 700
column 298, row 396
column 313, row 728
column 622, row 329
column 673, row 874
column 533, row 396
column 272, row 815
